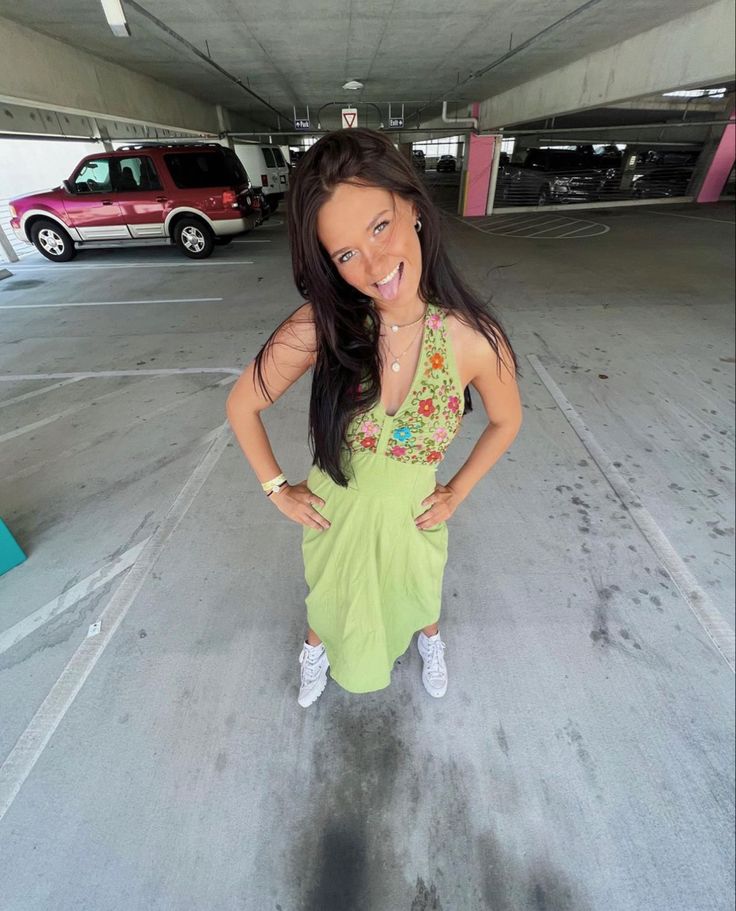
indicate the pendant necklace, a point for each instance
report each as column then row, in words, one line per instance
column 396, row 366
column 394, row 327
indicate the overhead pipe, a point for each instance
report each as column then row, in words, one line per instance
column 462, row 121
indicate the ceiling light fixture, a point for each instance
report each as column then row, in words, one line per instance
column 353, row 85
column 115, row 16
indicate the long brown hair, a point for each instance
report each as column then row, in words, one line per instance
column 347, row 371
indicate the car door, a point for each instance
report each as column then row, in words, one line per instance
column 140, row 195
column 274, row 184
column 91, row 205
column 282, row 169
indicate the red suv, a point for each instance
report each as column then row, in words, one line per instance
column 195, row 196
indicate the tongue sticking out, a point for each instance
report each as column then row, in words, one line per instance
column 391, row 289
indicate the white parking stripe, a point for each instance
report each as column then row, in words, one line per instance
column 69, row 598
column 32, row 742
column 164, row 371
column 172, row 300
column 694, row 594
column 42, row 391
column 65, row 267
column 27, row 428
column 557, row 222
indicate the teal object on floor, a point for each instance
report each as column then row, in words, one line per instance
column 10, row 552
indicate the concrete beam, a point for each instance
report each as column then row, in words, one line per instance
column 694, row 50
column 38, row 70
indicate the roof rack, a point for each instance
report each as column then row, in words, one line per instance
column 166, row 145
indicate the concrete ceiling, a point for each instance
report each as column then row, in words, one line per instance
column 300, row 52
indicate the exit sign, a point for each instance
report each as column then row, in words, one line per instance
column 396, row 123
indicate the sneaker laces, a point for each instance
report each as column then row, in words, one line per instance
column 434, row 659
column 309, row 660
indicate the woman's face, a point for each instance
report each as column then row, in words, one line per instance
column 370, row 235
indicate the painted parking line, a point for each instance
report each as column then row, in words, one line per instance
column 84, row 374
column 533, row 226
column 42, row 391
column 63, row 267
column 171, row 300
column 30, row 745
column 697, row 599
column 70, row 597
column 252, row 241
column 74, row 409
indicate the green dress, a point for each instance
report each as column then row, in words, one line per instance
column 374, row 578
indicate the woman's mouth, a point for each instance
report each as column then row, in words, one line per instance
column 388, row 287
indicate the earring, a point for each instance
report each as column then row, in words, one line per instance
column 418, row 224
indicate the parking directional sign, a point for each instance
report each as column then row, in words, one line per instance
column 349, row 118
column 302, row 125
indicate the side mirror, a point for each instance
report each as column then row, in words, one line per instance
column 67, row 186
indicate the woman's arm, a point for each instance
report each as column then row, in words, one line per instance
column 495, row 381
column 287, row 360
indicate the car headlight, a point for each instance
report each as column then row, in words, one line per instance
column 13, row 212
column 562, row 181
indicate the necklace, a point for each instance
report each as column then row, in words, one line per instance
column 394, row 327
column 396, row 366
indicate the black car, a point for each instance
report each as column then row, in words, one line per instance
column 548, row 176
column 662, row 182
column 446, row 163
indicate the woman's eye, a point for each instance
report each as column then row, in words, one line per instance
column 379, row 225
column 342, row 260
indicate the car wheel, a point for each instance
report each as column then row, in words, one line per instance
column 52, row 241
column 194, row 238
column 224, row 241
column 544, row 197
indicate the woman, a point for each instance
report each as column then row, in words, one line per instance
column 394, row 337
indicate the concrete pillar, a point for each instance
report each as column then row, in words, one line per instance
column 476, row 177
column 719, row 165
column 405, row 149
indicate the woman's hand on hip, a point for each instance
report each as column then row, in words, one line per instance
column 439, row 506
column 298, row 503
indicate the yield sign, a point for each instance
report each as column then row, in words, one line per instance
column 349, row 118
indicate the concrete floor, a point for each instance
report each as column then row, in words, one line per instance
column 582, row 759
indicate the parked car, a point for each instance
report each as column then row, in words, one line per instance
column 661, row 182
column 446, row 163
column 196, row 196
column 267, row 168
column 418, row 160
column 550, row 176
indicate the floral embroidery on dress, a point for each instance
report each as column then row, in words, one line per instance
column 429, row 418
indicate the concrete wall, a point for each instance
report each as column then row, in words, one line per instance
column 695, row 50
column 35, row 69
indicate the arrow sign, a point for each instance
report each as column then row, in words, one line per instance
column 349, row 118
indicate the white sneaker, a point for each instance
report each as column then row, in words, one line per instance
column 434, row 675
column 313, row 659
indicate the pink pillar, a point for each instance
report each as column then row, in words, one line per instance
column 479, row 152
column 720, row 167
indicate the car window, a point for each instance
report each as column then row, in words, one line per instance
column 190, row 170
column 93, row 177
column 278, row 157
column 136, row 173
column 268, row 155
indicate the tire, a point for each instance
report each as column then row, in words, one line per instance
column 224, row 241
column 52, row 241
column 194, row 238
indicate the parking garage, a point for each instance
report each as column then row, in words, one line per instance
column 152, row 751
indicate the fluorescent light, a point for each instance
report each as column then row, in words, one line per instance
column 115, row 15
column 353, row 84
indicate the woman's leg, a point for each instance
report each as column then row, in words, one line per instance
column 312, row 637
